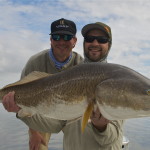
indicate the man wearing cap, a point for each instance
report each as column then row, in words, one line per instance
column 59, row 57
column 100, row 133
column 97, row 44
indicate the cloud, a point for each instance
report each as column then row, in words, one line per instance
column 25, row 28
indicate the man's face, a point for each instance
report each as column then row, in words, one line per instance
column 95, row 50
column 62, row 48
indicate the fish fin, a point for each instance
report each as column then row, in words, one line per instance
column 35, row 75
column 87, row 115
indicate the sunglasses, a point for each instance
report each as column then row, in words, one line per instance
column 100, row 39
column 65, row 37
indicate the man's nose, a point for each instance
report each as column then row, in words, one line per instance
column 95, row 42
column 62, row 40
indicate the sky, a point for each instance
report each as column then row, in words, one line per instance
column 25, row 28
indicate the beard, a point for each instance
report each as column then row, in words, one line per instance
column 95, row 53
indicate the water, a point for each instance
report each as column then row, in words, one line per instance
column 138, row 132
column 13, row 133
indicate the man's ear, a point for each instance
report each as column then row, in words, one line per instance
column 75, row 41
column 50, row 38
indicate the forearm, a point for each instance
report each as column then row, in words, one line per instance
column 43, row 124
column 100, row 128
column 110, row 134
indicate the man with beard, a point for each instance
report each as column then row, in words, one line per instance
column 97, row 42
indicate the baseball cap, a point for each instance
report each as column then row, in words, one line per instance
column 63, row 26
column 97, row 25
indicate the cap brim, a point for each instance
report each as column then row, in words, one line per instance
column 89, row 27
column 62, row 32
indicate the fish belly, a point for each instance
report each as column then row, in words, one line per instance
column 120, row 113
column 59, row 111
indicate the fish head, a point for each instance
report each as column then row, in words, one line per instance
column 125, row 93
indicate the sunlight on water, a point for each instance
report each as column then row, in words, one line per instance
column 14, row 136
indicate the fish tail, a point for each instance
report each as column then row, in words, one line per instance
column 87, row 115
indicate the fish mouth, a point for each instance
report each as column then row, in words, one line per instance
column 148, row 91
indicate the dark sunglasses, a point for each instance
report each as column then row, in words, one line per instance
column 65, row 37
column 100, row 39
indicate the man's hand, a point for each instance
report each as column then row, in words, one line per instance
column 98, row 121
column 36, row 140
column 9, row 103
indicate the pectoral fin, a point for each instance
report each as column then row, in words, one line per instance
column 87, row 115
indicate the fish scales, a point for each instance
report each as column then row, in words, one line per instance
column 111, row 85
column 66, row 84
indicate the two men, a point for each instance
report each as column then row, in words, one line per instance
column 100, row 133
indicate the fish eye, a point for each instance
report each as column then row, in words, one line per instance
column 148, row 91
